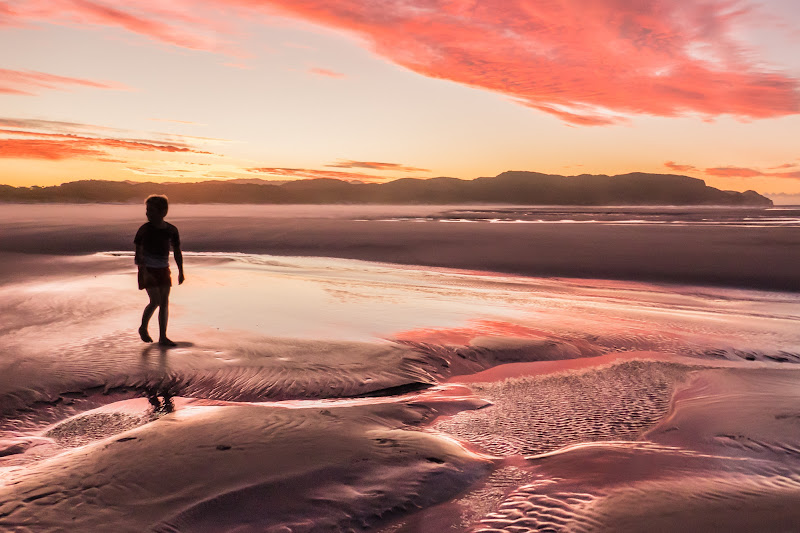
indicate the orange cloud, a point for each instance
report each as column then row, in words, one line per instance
column 56, row 146
column 45, row 149
column 680, row 168
column 326, row 73
column 306, row 173
column 374, row 165
column 26, row 82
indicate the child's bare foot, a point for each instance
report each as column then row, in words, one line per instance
column 155, row 402
column 168, row 406
column 144, row 335
column 163, row 341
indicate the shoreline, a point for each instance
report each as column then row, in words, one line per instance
column 762, row 258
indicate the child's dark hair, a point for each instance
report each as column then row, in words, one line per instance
column 159, row 201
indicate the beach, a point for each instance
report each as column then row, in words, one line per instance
column 403, row 369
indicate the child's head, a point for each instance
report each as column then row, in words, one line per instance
column 157, row 206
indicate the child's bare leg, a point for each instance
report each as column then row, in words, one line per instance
column 148, row 312
column 163, row 317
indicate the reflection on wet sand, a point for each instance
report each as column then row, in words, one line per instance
column 458, row 400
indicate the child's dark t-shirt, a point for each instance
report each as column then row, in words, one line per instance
column 155, row 243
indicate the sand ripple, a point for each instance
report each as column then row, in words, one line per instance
column 537, row 414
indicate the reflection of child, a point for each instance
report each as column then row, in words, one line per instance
column 152, row 255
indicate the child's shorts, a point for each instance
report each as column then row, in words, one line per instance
column 159, row 277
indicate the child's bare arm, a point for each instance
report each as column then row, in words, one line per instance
column 179, row 260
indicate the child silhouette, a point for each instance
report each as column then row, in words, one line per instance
column 152, row 256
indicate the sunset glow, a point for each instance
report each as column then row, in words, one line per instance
column 374, row 91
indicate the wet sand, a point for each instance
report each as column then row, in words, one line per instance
column 319, row 394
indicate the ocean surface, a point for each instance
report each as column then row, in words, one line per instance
column 327, row 393
column 780, row 216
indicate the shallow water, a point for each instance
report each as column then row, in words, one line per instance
column 328, row 394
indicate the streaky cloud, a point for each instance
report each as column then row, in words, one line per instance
column 326, row 73
column 174, row 121
column 731, row 171
column 184, row 25
column 21, row 144
column 734, row 172
column 742, row 172
column 30, row 82
column 308, row 173
column 677, row 167
column 375, row 165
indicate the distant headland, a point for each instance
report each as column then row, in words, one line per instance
column 513, row 187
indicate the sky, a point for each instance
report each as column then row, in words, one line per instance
column 375, row 90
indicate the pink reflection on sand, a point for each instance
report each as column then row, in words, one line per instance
column 540, row 368
column 464, row 335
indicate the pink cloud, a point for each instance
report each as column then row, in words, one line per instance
column 148, row 24
column 326, row 73
column 375, row 165
column 741, row 172
column 680, row 168
column 577, row 119
column 793, row 175
column 582, row 61
column 734, row 172
column 7, row 15
column 587, row 62
column 28, row 81
column 307, row 173
column 188, row 24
